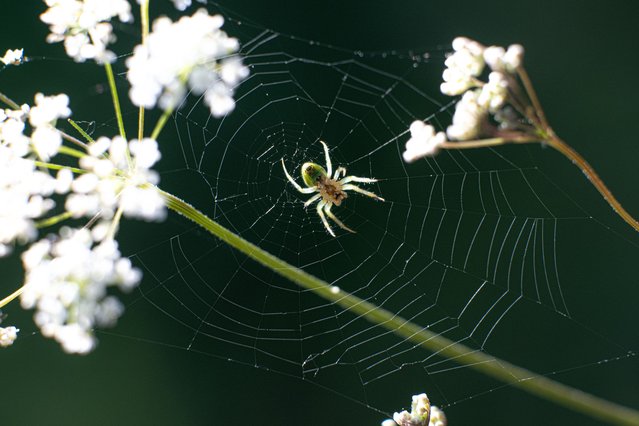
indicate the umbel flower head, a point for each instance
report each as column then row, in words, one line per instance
column 191, row 53
column 68, row 277
column 24, row 190
column 83, row 26
column 480, row 99
column 8, row 335
column 119, row 176
column 67, row 280
column 421, row 414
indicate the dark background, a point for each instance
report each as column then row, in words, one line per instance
column 583, row 59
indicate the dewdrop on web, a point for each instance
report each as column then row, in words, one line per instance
column 421, row 414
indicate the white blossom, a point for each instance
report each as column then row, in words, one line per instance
column 469, row 117
column 466, row 63
column 191, row 53
column 493, row 95
column 12, row 57
column 499, row 59
column 437, row 417
column 419, row 414
column 46, row 139
column 181, row 4
column 67, row 280
column 8, row 335
column 423, row 141
column 23, row 198
column 119, row 176
column 84, row 26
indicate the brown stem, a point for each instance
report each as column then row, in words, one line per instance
column 594, row 178
column 485, row 143
column 523, row 76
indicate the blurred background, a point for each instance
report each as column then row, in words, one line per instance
column 583, row 62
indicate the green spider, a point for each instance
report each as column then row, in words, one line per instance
column 331, row 191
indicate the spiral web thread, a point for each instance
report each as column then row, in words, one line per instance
column 466, row 243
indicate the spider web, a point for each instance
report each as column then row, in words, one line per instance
column 470, row 245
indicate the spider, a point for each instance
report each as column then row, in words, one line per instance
column 331, row 191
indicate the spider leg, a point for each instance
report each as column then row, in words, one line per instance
column 320, row 212
column 338, row 172
column 351, row 187
column 329, row 166
column 295, row 184
column 330, row 214
column 312, row 200
column 348, row 179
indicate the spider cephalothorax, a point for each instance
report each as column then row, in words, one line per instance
column 330, row 190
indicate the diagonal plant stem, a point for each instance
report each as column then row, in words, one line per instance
column 593, row 177
column 549, row 138
column 504, row 371
column 115, row 97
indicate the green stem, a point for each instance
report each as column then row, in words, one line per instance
column 80, row 130
column 116, row 99
column 160, row 124
column 50, row 221
column 52, row 166
column 144, row 13
column 10, row 297
column 491, row 366
column 9, row 102
column 72, row 152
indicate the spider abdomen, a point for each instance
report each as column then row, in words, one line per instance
column 331, row 191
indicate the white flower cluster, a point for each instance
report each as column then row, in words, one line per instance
column 123, row 179
column 423, row 141
column 437, row 417
column 24, row 190
column 7, row 336
column 45, row 138
column 84, row 26
column 479, row 98
column 12, row 57
column 421, row 414
column 67, row 281
column 463, row 67
column 161, row 70
column 67, row 277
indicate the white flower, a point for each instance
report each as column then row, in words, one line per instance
column 43, row 116
column 23, row 192
column 423, row 142
column 469, row 117
column 192, row 52
column 181, row 4
column 66, row 282
column 12, row 57
column 502, row 60
column 437, row 417
column 115, row 181
column 462, row 66
column 8, row 335
column 493, row 95
column 83, row 26
column 419, row 415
